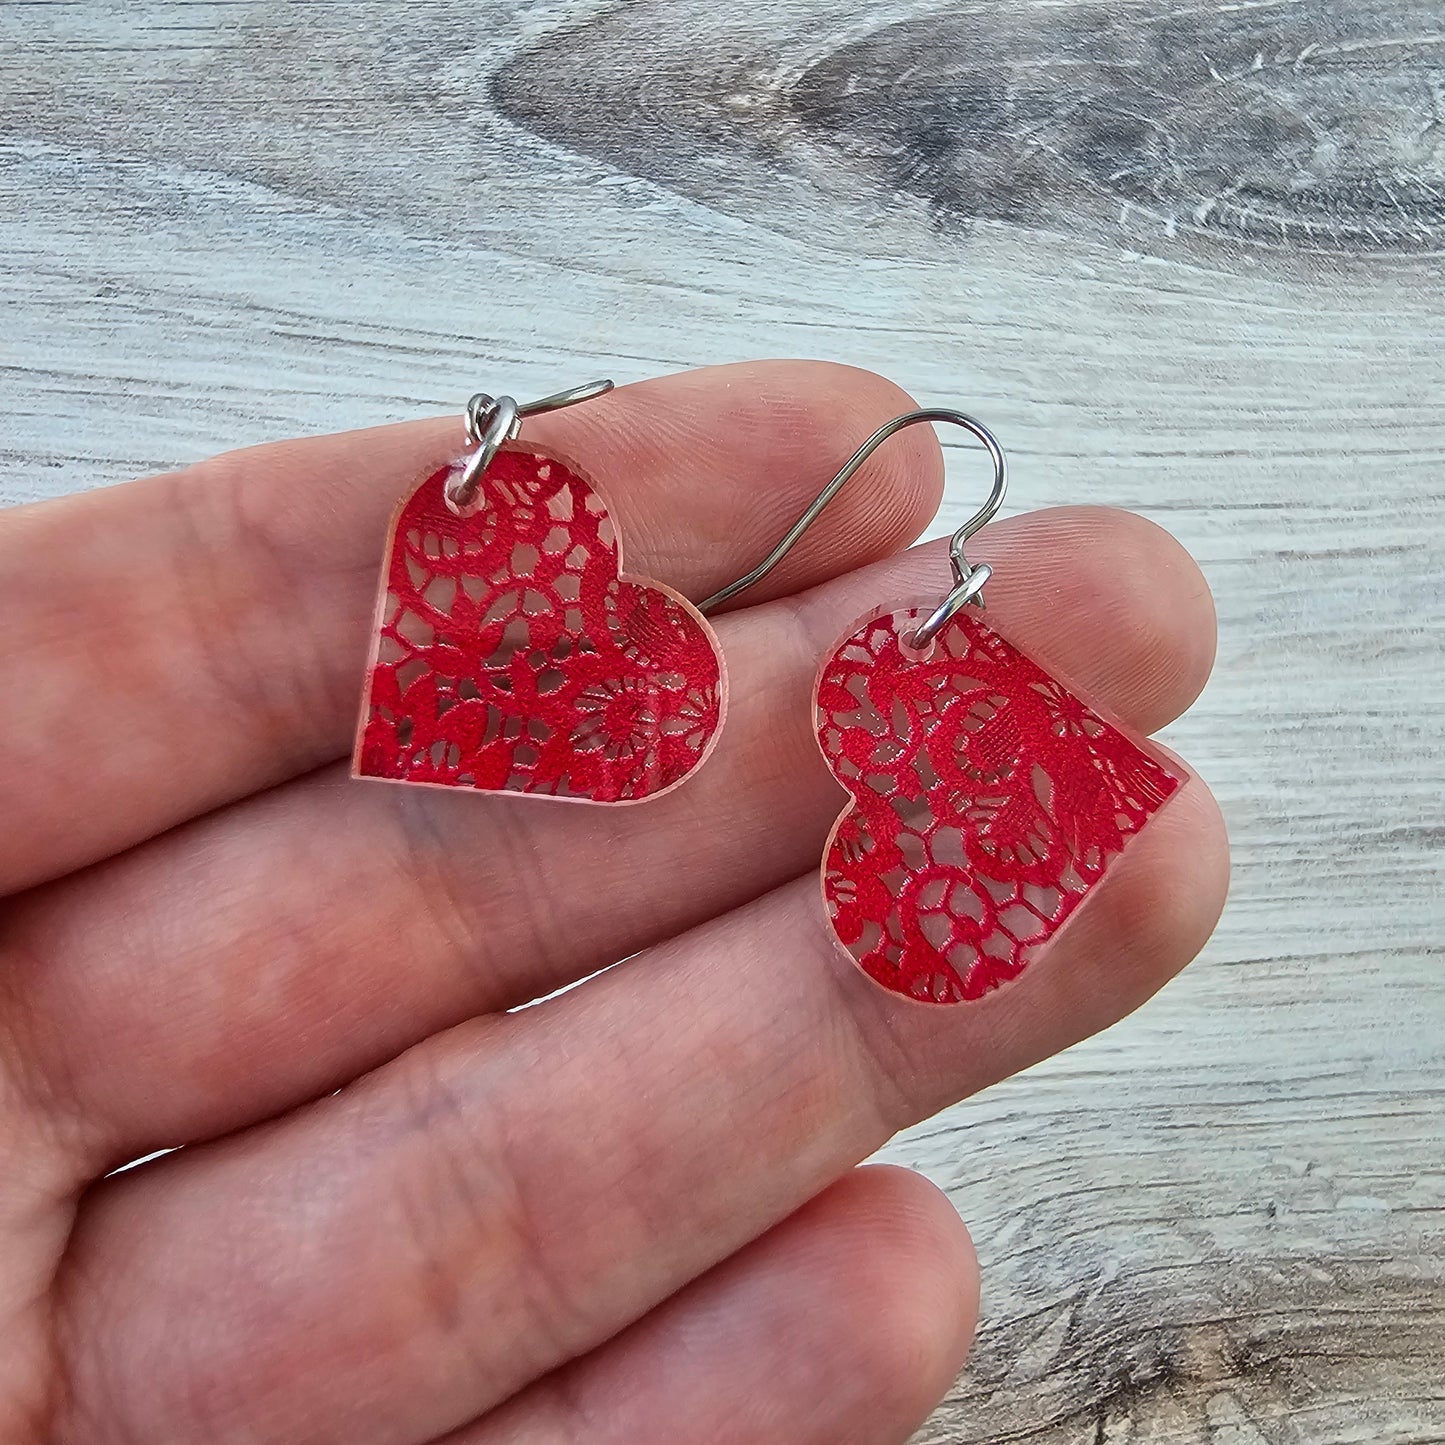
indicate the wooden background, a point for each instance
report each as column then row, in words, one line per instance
column 1186, row 259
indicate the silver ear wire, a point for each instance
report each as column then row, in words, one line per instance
column 494, row 420
column 967, row 580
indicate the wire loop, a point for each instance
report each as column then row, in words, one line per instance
column 492, row 422
column 962, row 572
column 814, row 510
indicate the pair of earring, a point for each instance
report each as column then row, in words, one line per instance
column 512, row 653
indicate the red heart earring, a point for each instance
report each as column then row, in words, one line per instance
column 987, row 798
column 512, row 653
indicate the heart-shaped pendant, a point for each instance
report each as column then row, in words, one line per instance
column 512, row 654
column 987, row 800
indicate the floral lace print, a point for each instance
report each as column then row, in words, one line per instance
column 510, row 655
column 987, row 800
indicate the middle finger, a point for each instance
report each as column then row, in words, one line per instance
column 436, row 907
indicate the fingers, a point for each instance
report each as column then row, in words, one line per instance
column 506, row 1196
column 34, row 1227
column 845, row 1325
column 185, row 640
column 1101, row 597
column 268, row 953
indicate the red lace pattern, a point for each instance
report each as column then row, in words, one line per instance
column 987, row 800
column 511, row 654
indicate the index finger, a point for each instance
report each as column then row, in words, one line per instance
column 182, row 641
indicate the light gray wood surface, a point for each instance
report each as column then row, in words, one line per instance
column 1187, row 260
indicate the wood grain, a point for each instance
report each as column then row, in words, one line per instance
column 1184, row 258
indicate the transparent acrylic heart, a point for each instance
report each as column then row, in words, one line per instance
column 988, row 799
column 511, row 653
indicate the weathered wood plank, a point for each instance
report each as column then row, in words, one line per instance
column 1282, row 127
column 1187, row 259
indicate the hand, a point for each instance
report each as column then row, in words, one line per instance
column 630, row 1214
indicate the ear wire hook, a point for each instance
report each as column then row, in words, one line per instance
column 494, row 420
column 967, row 580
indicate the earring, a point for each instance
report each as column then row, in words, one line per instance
column 987, row 797
column 512, row 653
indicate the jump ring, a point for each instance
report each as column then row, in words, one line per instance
column 964, row 592
column 463, row 492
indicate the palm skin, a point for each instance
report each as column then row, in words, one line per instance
column 403, row 1212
